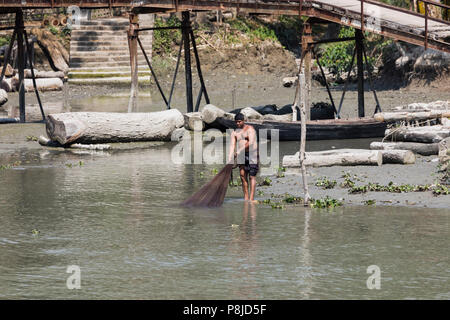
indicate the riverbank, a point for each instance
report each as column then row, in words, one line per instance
column 423, row 172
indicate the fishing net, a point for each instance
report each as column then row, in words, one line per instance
column 213, row 193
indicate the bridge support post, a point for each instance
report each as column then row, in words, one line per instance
column 359, row 38
column 132, row 46
column 186, row 27
column 20, row 62
column 305, row 90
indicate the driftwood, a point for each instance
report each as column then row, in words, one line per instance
column 428, row 134
column 57, row 55
column 337, row 157
column 398, row 156
column 104, row 127
column 424, row 149
column 43, row 74
column 410, row 116
column 43, row 84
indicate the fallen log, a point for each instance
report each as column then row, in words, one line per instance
column 435, row 105
column 7, row 85
column 49, row 74
column 193, row 121
column 424, row 149
column 42, row 84
column 103, row 127
column 428, row 134
column 43, row 74
column 410, row 116
column 337, row 157
column 251, row 114
column 57, row 55
column 398, row 156
column 3, row 97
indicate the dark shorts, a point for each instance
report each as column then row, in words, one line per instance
column 250, row 168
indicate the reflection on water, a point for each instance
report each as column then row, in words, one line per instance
column 116, row 214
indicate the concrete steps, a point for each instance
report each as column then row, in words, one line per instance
column 99, row 53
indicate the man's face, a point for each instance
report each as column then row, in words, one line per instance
column 239, row 124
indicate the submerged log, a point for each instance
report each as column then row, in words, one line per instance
column 102, row 127
column 337, row 157
column 424, row 149
column 431, row 134
column 398, row 156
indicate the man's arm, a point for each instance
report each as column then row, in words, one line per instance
column 232, row 147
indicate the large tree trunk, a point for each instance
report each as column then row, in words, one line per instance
column 338, row 157
column 398, row 156
column 424, row 149
column 104, row 127
column 43, row 74
column 57, row 55
column 411, row 116
column 431, row 134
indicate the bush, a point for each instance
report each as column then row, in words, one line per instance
column 337, row 57
column 163, row 40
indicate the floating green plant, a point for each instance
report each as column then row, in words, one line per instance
column 369, row 202
column 325, row 183
column 326, row 202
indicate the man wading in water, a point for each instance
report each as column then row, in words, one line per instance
column 245, row 138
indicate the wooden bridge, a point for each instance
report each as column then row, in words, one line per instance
column 363, row 15
column 371, row 15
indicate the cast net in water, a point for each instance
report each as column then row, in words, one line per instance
column 213, row 193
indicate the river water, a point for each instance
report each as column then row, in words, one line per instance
column 115, row 215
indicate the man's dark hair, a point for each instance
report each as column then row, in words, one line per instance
column 239, row 116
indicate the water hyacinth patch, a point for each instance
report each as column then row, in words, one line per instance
column 325, row 183
column 326, row 202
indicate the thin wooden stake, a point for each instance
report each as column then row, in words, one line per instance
column 132, row 45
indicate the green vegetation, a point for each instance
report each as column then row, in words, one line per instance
column 325, row 183
column 337, row 57
column 280, row 172
column 235, row 183
column 253, row 28
column 164, row 40
column 369, row 202
column 266, row 182
column 326, row 202
column 32, row 138
column 9, row 166
column 4, row 40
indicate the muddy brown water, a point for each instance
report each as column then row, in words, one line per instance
column 116, row 215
